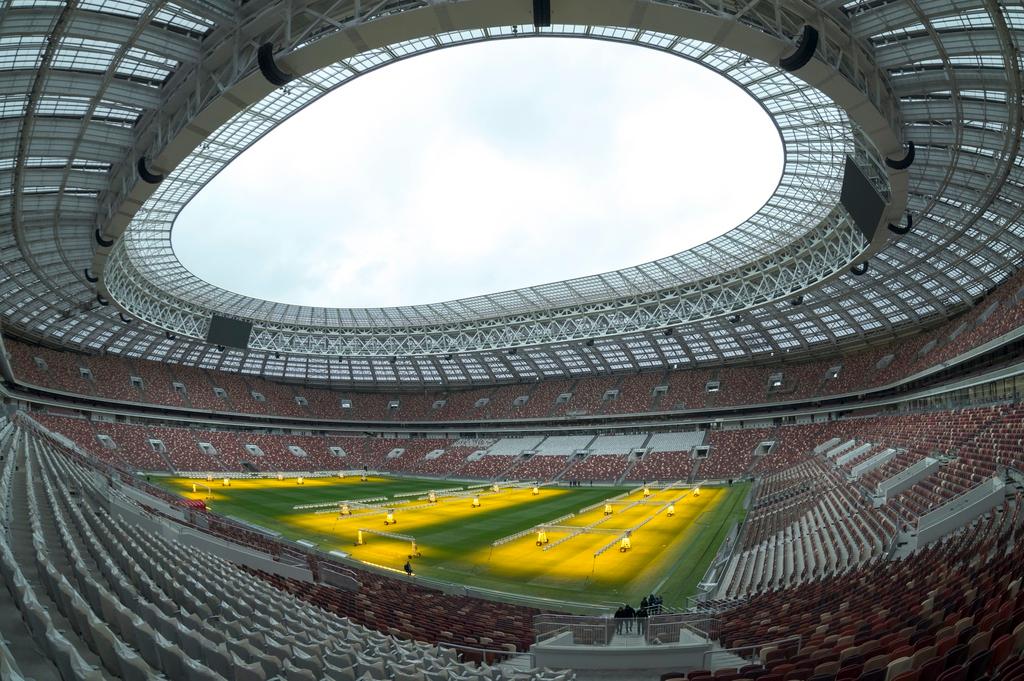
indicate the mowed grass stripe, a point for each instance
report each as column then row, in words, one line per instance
column 700, row 550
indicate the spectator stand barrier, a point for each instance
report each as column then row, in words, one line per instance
column 606, row 630
column 750, row 652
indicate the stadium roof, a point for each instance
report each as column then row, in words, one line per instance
column 116, row 113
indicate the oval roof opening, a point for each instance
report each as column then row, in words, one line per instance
column 484, row 168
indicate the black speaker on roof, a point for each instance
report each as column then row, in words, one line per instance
column 105, row 243
column 804, row 50
column 541, row 13
column 902, row 230
column 89, row 278
column 906, row 161
column 860, row 270
column 146, row 174
column 269, row 68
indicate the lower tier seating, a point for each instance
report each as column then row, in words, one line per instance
column 102, row 598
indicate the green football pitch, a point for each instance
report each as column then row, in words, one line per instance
column 674, row 533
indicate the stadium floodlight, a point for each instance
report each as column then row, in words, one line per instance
column 476, row 501
column 226, row 482
column 300, row 480
column 341, row 474
column 696, row 491
column 194, row 490
column 389, row 519
column 432, row 497
column 280, row 476
column 345, row 510
column 542, row 538
column 647, row 491
column 359, row 538
column 607, row 509
column 362, row 478
column 671, row 511
column 494, row 488
column 536, row 490
column 626, row 543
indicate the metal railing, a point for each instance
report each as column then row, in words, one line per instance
column 482, row 655
column 625, row 631
column 750, row 654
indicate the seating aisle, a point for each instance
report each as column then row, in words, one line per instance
column 136, row 606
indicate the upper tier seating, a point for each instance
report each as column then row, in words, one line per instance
column 158, row 386
column 110, row 377
column 199, row 388
column 587, row 396
column 686, row 390
column 280, row 399
column 542, row 399
column 742, row 385
column 636, row 394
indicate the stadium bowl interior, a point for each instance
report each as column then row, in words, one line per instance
column 796, row 451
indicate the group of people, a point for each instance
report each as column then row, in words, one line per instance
column 579, row 483
column 626, row 615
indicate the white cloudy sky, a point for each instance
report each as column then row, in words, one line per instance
column 483, row 168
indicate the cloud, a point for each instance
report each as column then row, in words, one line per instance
column 483, row 168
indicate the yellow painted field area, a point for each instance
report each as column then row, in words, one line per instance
column 214, row 490
column 572, row 564
column 436, row 527
column 454, row 540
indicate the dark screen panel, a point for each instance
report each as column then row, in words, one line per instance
column 861, row 200
column 232, row 333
